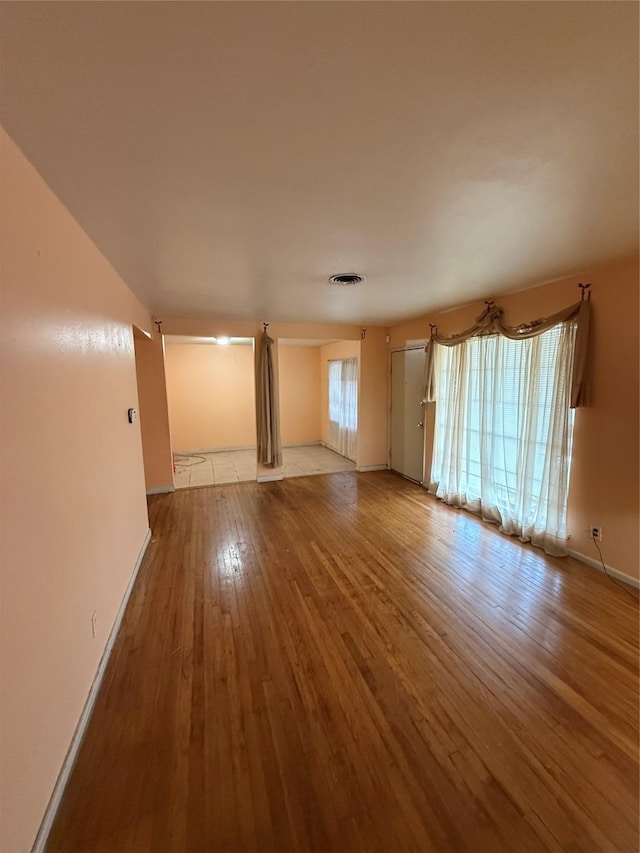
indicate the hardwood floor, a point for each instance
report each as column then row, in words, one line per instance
column 342, row 663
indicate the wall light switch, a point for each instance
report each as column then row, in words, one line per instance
column 132, row 414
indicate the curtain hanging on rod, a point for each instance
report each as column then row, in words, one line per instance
column 491, row 322
column 504, row 425
column 269, row 444
column 343, row 406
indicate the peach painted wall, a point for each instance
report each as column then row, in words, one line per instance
column 373, row 402
column 217, row 327
column 332, row 352
column 374, row 369
column 154, row 412
column 73, row 508
column 604, row 478
column 211, row 396
column 299, row 383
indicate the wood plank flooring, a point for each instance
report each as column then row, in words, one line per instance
column 342, row 663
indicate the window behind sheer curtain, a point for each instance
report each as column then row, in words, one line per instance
column 343, row 406
column 504, row 429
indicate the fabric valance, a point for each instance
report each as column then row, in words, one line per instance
column 491, row 322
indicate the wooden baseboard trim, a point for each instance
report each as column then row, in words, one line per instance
column 364, row 468
column 269, row 478
column 67, row 765
column 596, row 564
column 161, row 490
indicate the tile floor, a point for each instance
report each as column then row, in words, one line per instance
column 232, row 466
column 313, row 459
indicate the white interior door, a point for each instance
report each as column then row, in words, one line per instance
column 407, row 413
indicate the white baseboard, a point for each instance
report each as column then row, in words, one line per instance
column 269, row 478
column 161, row 490
column 363, row 468
column 316, row 443
column 72, row 753
column 596, row 564
column 313, row 443
column 215, row 450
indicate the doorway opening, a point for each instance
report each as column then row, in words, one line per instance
column 318, row 405
column 211, row 400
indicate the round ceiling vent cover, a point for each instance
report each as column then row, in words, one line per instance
column 346, row 278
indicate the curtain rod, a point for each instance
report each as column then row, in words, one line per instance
column 584, row 289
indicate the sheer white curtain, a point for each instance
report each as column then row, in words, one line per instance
column 343, row 406
column 504, row 430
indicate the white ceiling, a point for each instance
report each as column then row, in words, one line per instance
column 228, row 157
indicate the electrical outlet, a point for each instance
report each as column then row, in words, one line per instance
column 596, row 532
column 94, row 623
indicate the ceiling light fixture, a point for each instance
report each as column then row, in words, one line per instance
column 346, row 278
column 223, row 341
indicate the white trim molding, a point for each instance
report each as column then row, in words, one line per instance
column 596, row 564
column 364, row 468
column 315, row 443
column 67, row 765
column 161, row 490
column 215, row 450
column 269, row 478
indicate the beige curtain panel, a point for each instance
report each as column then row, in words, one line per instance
column 269, row 444
column 491, row 322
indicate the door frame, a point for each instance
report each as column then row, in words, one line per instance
column 413, row 345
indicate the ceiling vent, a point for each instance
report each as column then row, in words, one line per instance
column 346, row 278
